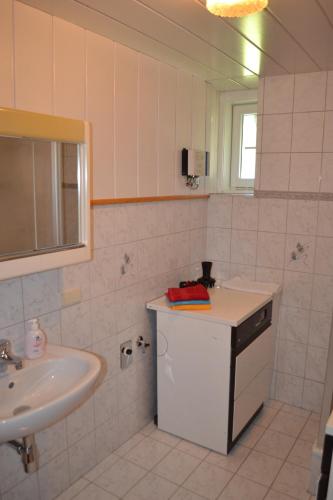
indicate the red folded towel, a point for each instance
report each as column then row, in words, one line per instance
column 197, row 292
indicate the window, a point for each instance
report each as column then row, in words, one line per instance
column 237, row 140
column 243, row 145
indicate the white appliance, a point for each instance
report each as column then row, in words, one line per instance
column 325, row 486
column 214, row 367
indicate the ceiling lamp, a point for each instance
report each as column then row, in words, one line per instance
column 235, row 8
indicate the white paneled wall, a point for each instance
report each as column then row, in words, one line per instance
column 142, row 111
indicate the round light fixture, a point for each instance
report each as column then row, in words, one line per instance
column 235, row 8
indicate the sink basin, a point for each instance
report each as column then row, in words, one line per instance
column 45, row 390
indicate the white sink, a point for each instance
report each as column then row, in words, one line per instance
column 45, row 390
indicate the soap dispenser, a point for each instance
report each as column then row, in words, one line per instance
column 35, row 340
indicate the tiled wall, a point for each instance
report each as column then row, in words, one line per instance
column 287, row 240
column 295, row 137
column 142, row 112
column 140, row 251
column 255, row 238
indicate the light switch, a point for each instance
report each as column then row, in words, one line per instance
column 71, row 296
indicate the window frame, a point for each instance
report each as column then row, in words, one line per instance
column 238, row 111
column 227, row 101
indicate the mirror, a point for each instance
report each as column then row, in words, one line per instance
column 44, row 202
column 39, row 196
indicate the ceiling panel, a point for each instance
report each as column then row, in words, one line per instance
column 327, row 6
column 145, row 20
column 307, row 23
column 291, row 36
column 270, row 36
column 193, row 17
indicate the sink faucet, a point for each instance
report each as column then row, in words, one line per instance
column 7, row 357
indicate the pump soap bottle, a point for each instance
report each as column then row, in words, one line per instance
column 35, row 340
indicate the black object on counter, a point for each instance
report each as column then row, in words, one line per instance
column 185, row 284
column 206, row 279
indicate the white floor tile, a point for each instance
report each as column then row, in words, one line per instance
column 252, row 435
column 310, row 430
column 266, row 416
column 165, row 437
column 126, row 447
column 260, row 468
column 208, row 480
column 230, row 462
column 149, row 428
column 96, row 493
column 292, row 480
column 295, row 410
column 193, row 449
column 242, row 488
column 122, row 476
column 273, row 403
column 301, row 453
column 176, row 466
column 182, row 494
column 73, row 490
column 287, row 423
column 151, row 487
column 101, row 467
column 275, row 444
column 148, row 453
column 275, row 495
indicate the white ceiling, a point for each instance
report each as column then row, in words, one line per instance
column 291, row 36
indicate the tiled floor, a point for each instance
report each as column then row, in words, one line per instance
column 270, row 462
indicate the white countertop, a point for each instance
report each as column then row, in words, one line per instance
column 229, row 307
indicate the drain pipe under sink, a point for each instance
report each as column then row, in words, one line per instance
column 28, row 452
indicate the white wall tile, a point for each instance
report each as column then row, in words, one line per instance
column 11, row 302
column 82, row 457
column 76, row 326
column 322, row 295
column 274, row 171
column 308, row 129
column 54, row 477
column 24, row 490
column 320, row 329
column 291, row 357
column 218, row 244
column 305, row 169
column 328, row 132
column 33, row 59
column 312, row 395
column 40, row 293
column 244, row 212
column 326, row 185
column 100, row 111
column 166, row 129
column 278, row 94
column 276, row 136
column 147, row 129
column 293, row 324
column 219, row 211
column 126, row 120
column 302, row 216
column 6, row 54
column 310, row 91
column 324, row 256
column 297, row 289
column 316, row 361
column 329, row 93
column 273, row 215
column 243, row 247
column 300, row 260
column 69, row 69
column 325, row 218
column 289, row 388
column 270, row 251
